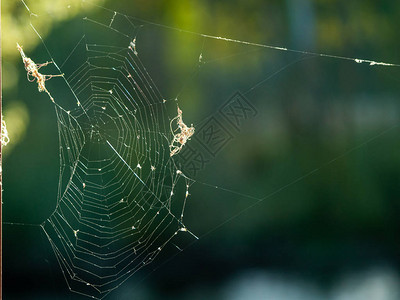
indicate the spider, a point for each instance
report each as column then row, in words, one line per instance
column 33, row 70
column 181, row 137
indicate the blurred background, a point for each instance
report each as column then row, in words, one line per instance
column 322, row 150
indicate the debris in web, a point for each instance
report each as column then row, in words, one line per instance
column 182, row 136
column 33, row 71
column 4, row 133
column 132, row 46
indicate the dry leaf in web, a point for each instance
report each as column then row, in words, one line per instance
column 33, row 71
column 4, row 133
column 181, row 137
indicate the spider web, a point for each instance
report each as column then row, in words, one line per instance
column 121, row 197
column 119, row 202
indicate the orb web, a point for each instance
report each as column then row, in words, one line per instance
column 121, row 198
column 118, row 203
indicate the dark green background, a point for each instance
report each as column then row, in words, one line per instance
column 324, row 146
